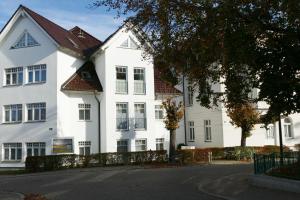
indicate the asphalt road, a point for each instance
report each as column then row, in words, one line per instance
column 123, row 182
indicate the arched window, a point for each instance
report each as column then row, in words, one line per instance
column 287, row 126
column 270, row 131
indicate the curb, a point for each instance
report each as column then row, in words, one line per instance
column 12, row 195
column 275, row 183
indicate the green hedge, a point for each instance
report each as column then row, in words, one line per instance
column 64, row 161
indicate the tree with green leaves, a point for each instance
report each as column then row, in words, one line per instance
column 174, row 113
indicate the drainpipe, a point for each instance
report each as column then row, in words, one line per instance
column 184, row 110
column 99, row 123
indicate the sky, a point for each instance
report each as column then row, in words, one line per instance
column 67, row 13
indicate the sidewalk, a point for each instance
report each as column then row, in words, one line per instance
column 237, row 187
column 11, row 196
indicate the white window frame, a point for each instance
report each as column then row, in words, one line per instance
column 159, row 112
column 131, row 44
column 17, row 147
column 207, row 130
column 26, row 41
column 121, row 83
column 85, row 148
column 270, row 132
column 85, row 109
column 141, row 143
column 122, row 106
column 39, row 146
column 13, row 108
column 37, row 71
column 123, row 144
column 16, row 72
column 139, row 85
column 140, row 111
column 38, row 112
column 288, row 128
column 160, row 144
column 190, row 96
column 191, row 128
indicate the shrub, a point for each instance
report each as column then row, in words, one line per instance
column 193, row 155
column 297, row 147
column 55, row 162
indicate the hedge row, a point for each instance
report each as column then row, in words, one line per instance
column 63, row 161
column 241, row 153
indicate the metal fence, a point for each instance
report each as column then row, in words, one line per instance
column 264, row 163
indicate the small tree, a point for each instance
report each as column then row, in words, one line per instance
column 174, row 113
column 244, row 116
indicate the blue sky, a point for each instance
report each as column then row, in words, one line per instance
column 67, row 13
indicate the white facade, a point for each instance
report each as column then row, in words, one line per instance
column 57, row 118
column 224, row 134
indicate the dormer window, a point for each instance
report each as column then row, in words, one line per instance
column 86, row 75
column 25, row 40
column 129, row 43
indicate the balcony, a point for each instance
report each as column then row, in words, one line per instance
column 139, row 87
column 123, row 124
column 140, row 123
column 121, row 87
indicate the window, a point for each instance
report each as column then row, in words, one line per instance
column 139, row 81
column 25, row 40
column 141, row 145
column 84, row 112
column 288, row 128
column 84, row 148
column 62, row 145
column 121, row 76
column 159, row 114
column 190, row 95
column 12, row 151
column 270, row 131
column 160, row 144
column 191, row 131
column 36, row 149
column 37, row 74
column 36, row 112
column 13, row 113
column 140, row 116
column 207, row 130
column 122, row 146
column 122, row 116
column 14, row 76
column 129, row 43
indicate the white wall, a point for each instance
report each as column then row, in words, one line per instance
column 23, row 94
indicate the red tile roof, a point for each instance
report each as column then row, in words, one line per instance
column 84, row 79
column 66, row 39
column 161, row 86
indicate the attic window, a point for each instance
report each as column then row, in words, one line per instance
column 25, row 40
column 129, row 43
column 86, row 75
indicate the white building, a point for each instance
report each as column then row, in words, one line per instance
column 64, row 91
column 212, row 127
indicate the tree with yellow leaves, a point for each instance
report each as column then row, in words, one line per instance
column 244, row 116
column 174, row 113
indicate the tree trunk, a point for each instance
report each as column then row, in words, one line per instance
column 172, row 148
column 243, row 138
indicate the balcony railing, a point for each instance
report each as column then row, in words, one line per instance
column 122, row 123
column 139, row 87
column 121, row 87
column 140, row 123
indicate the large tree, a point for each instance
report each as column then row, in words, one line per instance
column 216, row 37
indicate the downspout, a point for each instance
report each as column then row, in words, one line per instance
column 99, row 123
column 184, row 110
